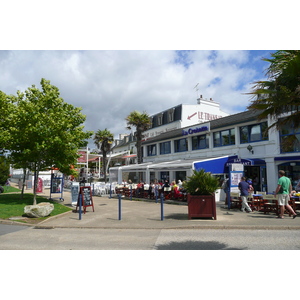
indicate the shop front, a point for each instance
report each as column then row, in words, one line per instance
column 291, row 166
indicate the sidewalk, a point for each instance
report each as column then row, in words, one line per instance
column 147, row 215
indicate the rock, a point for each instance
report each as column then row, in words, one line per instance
column 42, row 209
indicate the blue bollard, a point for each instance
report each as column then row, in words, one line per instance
column 110, row 192
column 161, row 207
column 120, row 213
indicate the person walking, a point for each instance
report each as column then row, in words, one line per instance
column 283, row 190
column 244, row 187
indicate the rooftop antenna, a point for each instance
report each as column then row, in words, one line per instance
column 196, row 87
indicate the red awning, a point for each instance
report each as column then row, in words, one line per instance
column 129, row 156
column 94, row 159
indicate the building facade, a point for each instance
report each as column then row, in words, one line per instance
column 214, row 145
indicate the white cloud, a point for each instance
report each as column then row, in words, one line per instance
column 108, row 85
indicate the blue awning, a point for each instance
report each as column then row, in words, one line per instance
column 245, row 162
column 220, row 165
column 213, row 165
column 287, row 158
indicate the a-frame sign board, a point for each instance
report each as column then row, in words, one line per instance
column 86, row 196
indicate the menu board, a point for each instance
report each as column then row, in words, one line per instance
column 86, row 196
column 56, row 184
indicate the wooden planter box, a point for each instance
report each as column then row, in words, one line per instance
column 201, row 206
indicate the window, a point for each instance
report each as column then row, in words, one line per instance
column 159, row 119
column 171, row 115
column 151, row 123
column 181, row 145
column 224, row 138
column 200, row 142
column 165, row 148
column 254, row 133
column 289, row 139
column 151, row 150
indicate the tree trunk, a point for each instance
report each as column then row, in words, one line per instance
column 139, row 151
column 23, row 183
column 36, row 177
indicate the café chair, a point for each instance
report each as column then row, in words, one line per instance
column 167, row 192
column 235, row 200
column 271, row 205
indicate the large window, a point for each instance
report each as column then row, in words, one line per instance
column 165, row 148
column 289, row 139
column 200, row 142
column 224, row 138
column 254, row 133
column 151, row 150
column 181, row 145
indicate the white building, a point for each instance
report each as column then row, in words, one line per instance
column 214, row 145
column 184, row 115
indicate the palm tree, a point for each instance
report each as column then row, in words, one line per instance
column 142, row 122
column 280, row 95
column 103, row 140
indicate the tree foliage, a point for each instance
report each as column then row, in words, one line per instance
column 279, row 97
column 142, row 122
column 7, row 111
column 4, row 170
column 103, row 140
column 45, row 131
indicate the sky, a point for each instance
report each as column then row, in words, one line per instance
column 120, row 56
column 109, row 84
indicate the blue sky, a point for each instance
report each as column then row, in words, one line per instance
column 109, row 84
column 115, row 59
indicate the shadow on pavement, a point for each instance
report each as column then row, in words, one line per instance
column 196, row 245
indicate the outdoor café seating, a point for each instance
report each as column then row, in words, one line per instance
column 148, row 193
column 270, row 204
column 257, row 201
column 235, row 199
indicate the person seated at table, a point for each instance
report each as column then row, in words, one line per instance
column 139, row 189
column 156, row 187
column 174, row 185
column 164, row 186
column 179, row 184
column 251, row 188
column 176, row 191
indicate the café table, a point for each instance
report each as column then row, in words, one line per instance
column 257, row 201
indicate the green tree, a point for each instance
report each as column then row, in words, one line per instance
column 142, row 122
column 46, row 131
column 7, row 111
column 103, row 140
column 279, row 96
column 4, row 170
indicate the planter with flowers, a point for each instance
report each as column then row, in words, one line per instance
column 201, row 188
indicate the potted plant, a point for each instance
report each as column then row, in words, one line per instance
column 201, row 188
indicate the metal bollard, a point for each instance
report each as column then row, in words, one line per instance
column 80, row 203
column 120, row 208
column 161, row 207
